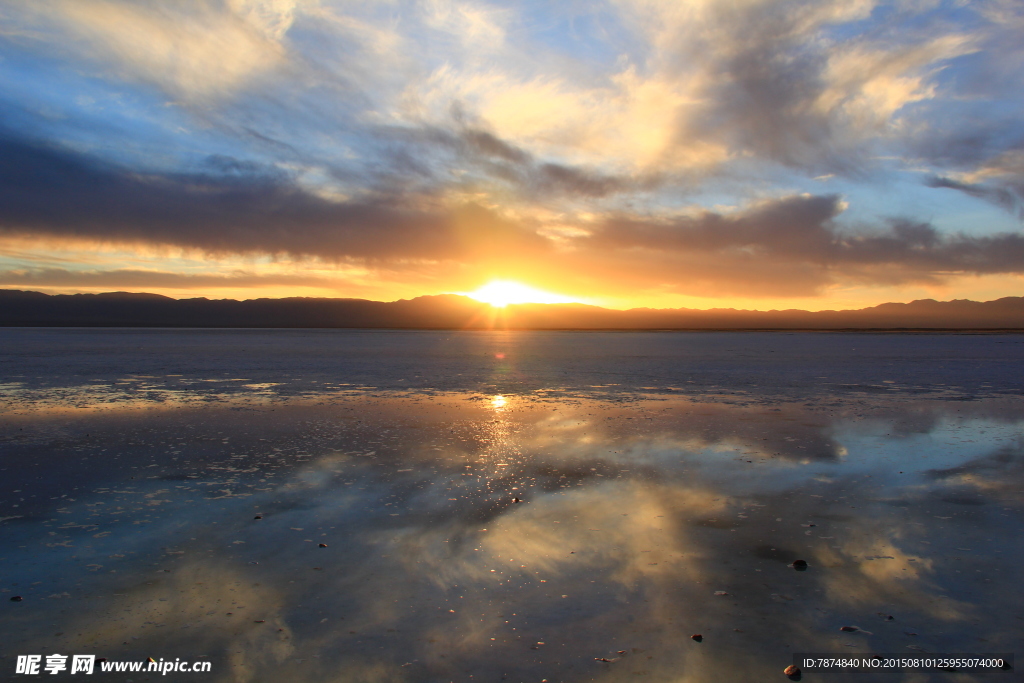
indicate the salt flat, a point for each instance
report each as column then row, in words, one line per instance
column 423, row 506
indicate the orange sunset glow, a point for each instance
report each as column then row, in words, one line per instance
column 501, row 293
column 762, row 155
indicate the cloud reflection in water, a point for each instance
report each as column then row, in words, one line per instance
column 632, row 517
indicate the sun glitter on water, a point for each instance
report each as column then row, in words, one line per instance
column 501, row 293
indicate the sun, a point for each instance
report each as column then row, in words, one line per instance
column 501, row 293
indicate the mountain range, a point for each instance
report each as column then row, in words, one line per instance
column 450, row 311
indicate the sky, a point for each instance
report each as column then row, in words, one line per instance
column 624, row 153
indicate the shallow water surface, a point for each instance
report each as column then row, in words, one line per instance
column 565, row 532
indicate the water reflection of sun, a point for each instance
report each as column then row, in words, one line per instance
column 499, row 402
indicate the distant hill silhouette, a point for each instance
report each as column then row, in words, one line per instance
column 449, row 311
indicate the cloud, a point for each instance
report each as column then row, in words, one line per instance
column 706, row 87
column 48, row 191
column 699, row 89
column 698, row 86
column 133, row 279
column 1005, row 197
column 481, row 137
column 802, row 229
column 530, row 178
column 787, row 226
column 999, row 180
column 778, row 83
column 193, row 50
column 788, row 246
column 792, row 245
column 624, row 122
column 475, row 25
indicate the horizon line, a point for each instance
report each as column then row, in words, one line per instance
column 518, row 305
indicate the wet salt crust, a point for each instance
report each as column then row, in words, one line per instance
column 338, row 506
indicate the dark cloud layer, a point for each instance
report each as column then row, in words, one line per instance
column 784, row 246
column 133, row 279
column 237, row 207
column 789, row 247
column 802, row 229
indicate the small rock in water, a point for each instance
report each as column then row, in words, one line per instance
column 849, row 629
column 799, row 565
column 258, row 517
column 515, row 499
column 791, row 670
column 698, row 637
column 323, row 545
column 16, row 598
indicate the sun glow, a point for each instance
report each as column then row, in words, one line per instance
column 501, row 293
